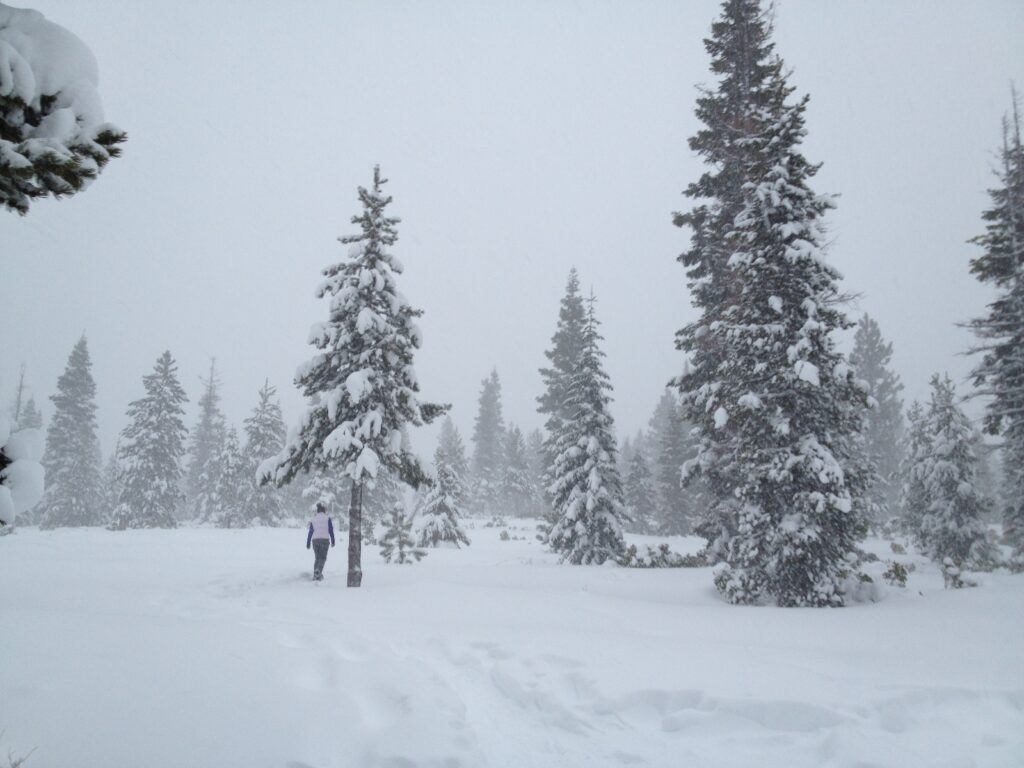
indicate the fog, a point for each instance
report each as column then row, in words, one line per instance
column 520, row 139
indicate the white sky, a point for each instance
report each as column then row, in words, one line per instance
column 521, row 138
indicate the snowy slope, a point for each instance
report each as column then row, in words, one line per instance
column 212, row 648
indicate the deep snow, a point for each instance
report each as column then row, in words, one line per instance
column 202, row 647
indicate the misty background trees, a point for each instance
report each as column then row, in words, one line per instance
column 774, row 444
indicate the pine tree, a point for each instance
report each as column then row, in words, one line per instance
column 440, row 512
column 517, row 489
column 537, row 455
column 74, row 492
column 566, row 347
column 952, row 526
column 205, row 445
column 227, row 502
column 641, row 506
column 327, row 489
column 452, row 451
column 362, row 382
column 1000, row 373
column 377, row 502
column 264, row 438
column 775, row 404
column 30, row 417
column 883, row 426
column 53, row 141
column 152, row 448
column 586, row 491
column 676, row 450
column 488, row 448
column 913, row 496
column 113, row 481
column 398, row 544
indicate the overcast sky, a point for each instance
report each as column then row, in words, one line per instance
column 521, row 138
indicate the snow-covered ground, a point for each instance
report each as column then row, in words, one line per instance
column 196, row 647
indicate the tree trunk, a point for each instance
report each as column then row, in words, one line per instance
column 355, row 536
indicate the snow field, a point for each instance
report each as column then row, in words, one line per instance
column 212, row 647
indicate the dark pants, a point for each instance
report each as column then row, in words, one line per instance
column 320, row 547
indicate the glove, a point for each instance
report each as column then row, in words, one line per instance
column 307, row 546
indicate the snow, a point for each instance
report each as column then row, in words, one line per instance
column 40, row 58
column 808, row 372
column 721, row 417
column 212, row 647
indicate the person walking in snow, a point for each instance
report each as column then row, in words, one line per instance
column 321, row 531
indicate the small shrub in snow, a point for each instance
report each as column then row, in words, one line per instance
column 897, row 548
column 896, row 574
column 660, row 557
column 953, row 575
column 504, row 536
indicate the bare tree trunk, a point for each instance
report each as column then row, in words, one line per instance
column 355, row 536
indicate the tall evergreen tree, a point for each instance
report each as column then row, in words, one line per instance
column 777, row 408
column 264, row 438
column 452, row 452
column 913, row 496
column 152, row 448
column 640, row 495
column 74, row 489
column 488, row 447
column 228, row 500
column 205, row 445
column 361, row 381
column 586, row 490
column 537, row 455
column 676, row 450
column 1000, row 372
column 113, row 481
column 951, row 526
column 883, row 425
column 439, row 512
column 377, row 502
column 30, row 417
column 566, row 348
column 517, row 488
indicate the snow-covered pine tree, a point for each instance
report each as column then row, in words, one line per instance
column 640, row 496
column 53, row 140
column 777, row 408
column 913, row 495
column 397, row 544
column 586, row 490
column 205, row 444
column 1000, row 372
column 675, row 450
column 566, row 347
column 152, row 448
column 452, row 451
column 325, row 488
column 377, row 502
column 439, row 512
column 30, row 417
column 362, row 382
column 537, row 455
column 883, row 426
column 74, row 488
column 952, row 526
column 517, row 490
column 233, row 482
column 264, row 438
column 488, row 448
column 113, row 481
